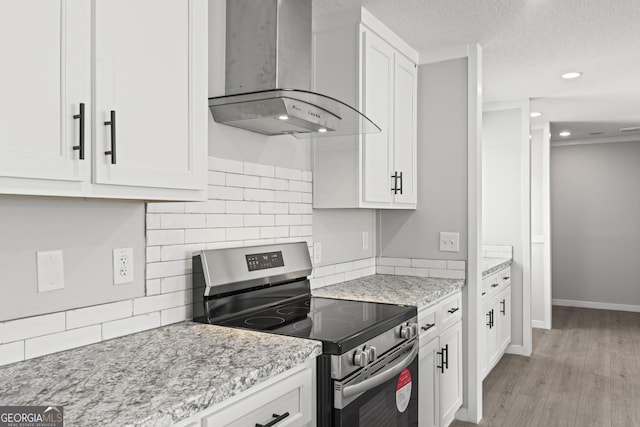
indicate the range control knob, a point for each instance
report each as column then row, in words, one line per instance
column 372, row 352
column 361, row 358
column 405, row 332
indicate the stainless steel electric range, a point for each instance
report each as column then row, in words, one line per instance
column 368, row 372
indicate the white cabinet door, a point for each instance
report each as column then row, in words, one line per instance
column 451, row 378
column 429, row 384
column 377, row 93
column 504, row 319
column 44, row 77
column 144, row 72
column 405, row 129
column 492, row 347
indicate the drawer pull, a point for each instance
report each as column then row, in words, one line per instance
column 428, row 326
column 504, row 307
column 505, row 278
column 453, row 310
column 112, row 123
column 495, row 285
column 484, row 293
column 80, row 117
column 276, row 420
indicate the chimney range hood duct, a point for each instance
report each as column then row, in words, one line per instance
column 268, row 75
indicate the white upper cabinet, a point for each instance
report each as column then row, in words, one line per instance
column 360, row 61
column 45, row 76
column 140, row 69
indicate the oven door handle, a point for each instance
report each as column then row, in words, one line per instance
column 381, row 377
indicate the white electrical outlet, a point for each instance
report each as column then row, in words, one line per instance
column 122, row 266
column 449, row 242
column 317, row 253
column 50, row 268
column 365, row 240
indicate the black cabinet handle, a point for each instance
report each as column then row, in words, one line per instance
column 484, row 293
column 400, row 183
column 277, row 419
column 445, row 350
column 80, row 117
column 489, row 320
column 495, row 285
column 395, row 182
column 453, row 310
column 506, row 278
column 441, row 367
column 492, row 324
column 504, row 307
column 112, row 123
column 428, row 326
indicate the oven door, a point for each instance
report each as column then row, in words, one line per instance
column 385, row 394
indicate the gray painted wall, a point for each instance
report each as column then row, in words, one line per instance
column 502, row 196
column 595, row 222
column 87, row 232
column 442, row 169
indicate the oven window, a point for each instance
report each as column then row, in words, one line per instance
column 379, row 411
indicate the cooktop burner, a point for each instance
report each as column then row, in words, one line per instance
column 337, row 323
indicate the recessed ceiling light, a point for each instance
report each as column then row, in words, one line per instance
column 535, row 114
column 564, row 133
column 571, row 75
column 283, row 117
column 322, row 130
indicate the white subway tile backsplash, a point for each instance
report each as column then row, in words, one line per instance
column 456, row 265
column 288, row 220
column 165, row 237
column 409, row 271
column 274, row 208
column 130, row 325
column 205, row 235
column 344, row 266
column 369, row 271
column 260, row 170
column 29, row 327
column 12, row 352
column 54, row 343
column 216, row 178
column 178, row 221
column 243, row 233
column 301, row 186
column 153, row 221
column 273, row 232
column 153, row 287
column 259, row 195
column 300, row 208
column 333, row 279
column 307, row 176
column 447, row 274
column 301, row 230
column 243, row 181
column 176, row 314
column 288, row 197
column 394, row 262
column 161, row 302
column 178, row 252
column 286, row 173
column 175, row 283
column 99, row 314
column 224, row 220
column 274, row 184
column 362, row 263
column 307, row 219
column 352, row 275
column 153, row 253
column 324, row 271
column 244, row 207
column 156, row 270
column 225, row 165
column 207, row 207
column 219, row 192
column 307, row 197
column 170, row 207
column 385, row 269
column 428, row 263
column 258, row 220
column 257, row 242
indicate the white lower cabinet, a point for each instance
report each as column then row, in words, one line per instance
column 497, row 320
column 289, row 397
column 440, row 363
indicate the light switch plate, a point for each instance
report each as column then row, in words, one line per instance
column 122, row 266
column 50, row 266
column 317, row 253
column 449, row 241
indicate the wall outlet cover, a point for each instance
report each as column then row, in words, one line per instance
column 50, row 266
column 449, row 241
column 365, row 240
column 122, row 266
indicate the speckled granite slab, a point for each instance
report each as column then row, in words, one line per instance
column 491, row 265
column 409, row 290
column 153, row 378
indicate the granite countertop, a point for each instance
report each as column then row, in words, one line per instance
column 152, row 378
column 408, row 290
column 491, row 265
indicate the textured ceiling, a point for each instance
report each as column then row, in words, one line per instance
column 528, row 44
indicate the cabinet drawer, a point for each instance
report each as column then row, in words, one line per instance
column 450, row 310
column 427, row 323
column 292, row 395
column 504, row 276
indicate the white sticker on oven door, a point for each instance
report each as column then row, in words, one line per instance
column 403, row 390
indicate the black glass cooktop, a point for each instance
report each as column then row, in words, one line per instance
column 341, row 325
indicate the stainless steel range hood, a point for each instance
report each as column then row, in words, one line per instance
column 268, row 75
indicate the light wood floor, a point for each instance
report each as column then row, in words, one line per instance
column 583, row 372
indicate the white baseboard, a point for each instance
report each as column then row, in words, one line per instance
column 462, row 414
column 516, row 349
column 540, row 324
column 597, row 305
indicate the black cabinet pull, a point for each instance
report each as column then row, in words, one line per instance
column 445, row 350
column 495, row 285
column 504, row 307
column 395, row 182
column 484, row 293
column 428, row 326
column 277, row 419
column 112, row 123
column 80, row 146
column 400, row 183
column 453, row 310
column 492, row 324
column 489, row 320
column 506, row 278
column 441, row 367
